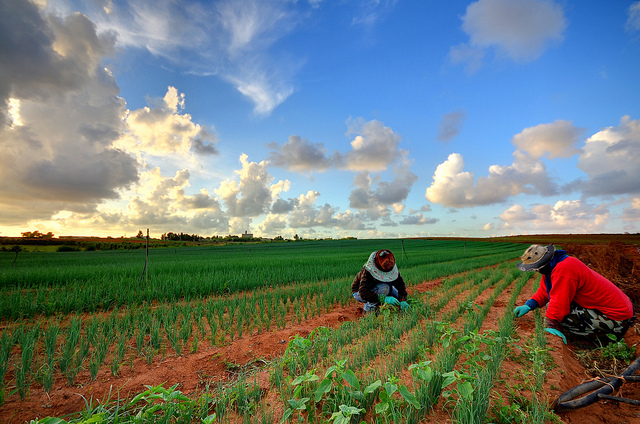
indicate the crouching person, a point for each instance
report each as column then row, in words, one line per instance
column 580, row 302
column 380, row 277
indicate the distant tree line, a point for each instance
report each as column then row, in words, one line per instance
column 181, row 237
column 37, row 234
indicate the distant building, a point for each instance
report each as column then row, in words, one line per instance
column 247, row 235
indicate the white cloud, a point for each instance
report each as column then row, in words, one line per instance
column 610, row 159
column 454, row 187
column 371, row 193
column 162, row 130
column 518, row 29
column 557, row 140
column 563, row 216
column 374, row 148
column 252, row 195
column 633, row 21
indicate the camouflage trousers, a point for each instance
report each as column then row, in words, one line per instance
column 591, row 322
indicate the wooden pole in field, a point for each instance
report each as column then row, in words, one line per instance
column 146, row 261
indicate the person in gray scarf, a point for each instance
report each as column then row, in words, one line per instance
column 379, row 277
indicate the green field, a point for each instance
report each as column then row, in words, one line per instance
column 65, row 313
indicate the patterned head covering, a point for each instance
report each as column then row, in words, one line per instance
column 377, row 273
column 535, row 257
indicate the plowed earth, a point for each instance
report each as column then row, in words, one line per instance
column 620, row 263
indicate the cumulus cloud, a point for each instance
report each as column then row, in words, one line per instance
column 374, row 148
column 450, row 125
column 162, row 129
column 251, row 195
column 162, row 202
column 563, row 216
column 371, row 193
column 520, row 30
column 454, row 187
column 57, row 141
column 556, row 140
column 610, row 159
column 300, row 155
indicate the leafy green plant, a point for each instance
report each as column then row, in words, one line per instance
column 345, row 414
column 389, row 406
column 299, row 403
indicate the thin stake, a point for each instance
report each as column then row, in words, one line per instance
column 146, row 261
column 145, row 271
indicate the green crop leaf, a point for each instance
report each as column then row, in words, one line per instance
column 372, row 387
column 408, row 396
column 449, row 378
column 299, row 404
column 390, row 388
column 50, row 420
column 466, row 390
column 351, row 378
column 381, row 407
column 323, row 387
column 286, row 415
column 350, row 410
column 357, row 394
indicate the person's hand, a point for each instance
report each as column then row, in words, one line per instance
column 390, row 300
column 404, row 305
column 556, row 333
column 521, row 310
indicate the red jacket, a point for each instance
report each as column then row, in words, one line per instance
column 573, row 281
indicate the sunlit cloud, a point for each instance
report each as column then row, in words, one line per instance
column 556, row 140
column 163, row 130
column 563, row 216
column 61, row 117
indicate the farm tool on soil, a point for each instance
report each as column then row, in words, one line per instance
column 599, row 389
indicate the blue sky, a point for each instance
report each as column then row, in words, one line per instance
column 362, row 118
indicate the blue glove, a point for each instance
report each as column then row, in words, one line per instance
column 391, row 301
column 521, row 310
column 556, row 333
column 404, row 305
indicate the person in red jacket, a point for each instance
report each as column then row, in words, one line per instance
column 580, row 302
column 380, row 277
